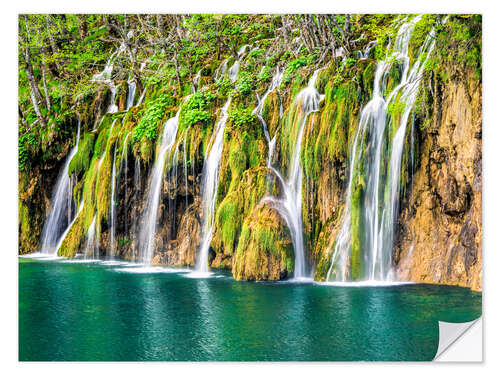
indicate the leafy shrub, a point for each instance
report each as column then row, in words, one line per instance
column 241, row 116
column 26, row 144
column 223, row 87
column 244, row 84
column 148, row 124
column 195, row 110
column 292, row 67
column 264, row 74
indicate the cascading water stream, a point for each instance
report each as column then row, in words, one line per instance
column 289, row 205
column 60, row 214
column 148, row 225
column 112, row 209
column 209, row 186
column 80, row 208
column 185, row 169
column 275, row 83
column 123, row 173
column 92, row 241
column 137, row 180
column 113, row 108
column 196, row 82
column 374, row 174
column 130, row 94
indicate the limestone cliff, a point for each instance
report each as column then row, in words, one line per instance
column 440, row 222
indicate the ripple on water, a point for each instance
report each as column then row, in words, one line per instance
column 150, row 269
column 367, row 283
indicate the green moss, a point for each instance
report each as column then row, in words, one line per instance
column 271, row 112
column 244, row 194
column 264, row 250
column 102, row 139
column 81, row 160
column 357, row 235
column 146, row 150
column 368, row 77
column 24, row 218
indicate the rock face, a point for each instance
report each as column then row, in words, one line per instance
column 440, row 223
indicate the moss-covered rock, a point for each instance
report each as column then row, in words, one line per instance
column 265, row 250
column 253, row 185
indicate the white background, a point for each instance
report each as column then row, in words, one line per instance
column 8, row 182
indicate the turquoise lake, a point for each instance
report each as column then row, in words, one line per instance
column 72, row 311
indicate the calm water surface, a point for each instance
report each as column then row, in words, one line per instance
column 96, row 312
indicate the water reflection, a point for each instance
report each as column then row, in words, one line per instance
column 71, row 311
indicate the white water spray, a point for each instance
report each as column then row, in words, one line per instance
column 209, row 185
column 148, row 226
column 131, row 94
column 60, row 214
column 289, row 205
column 91, row 248
column 112, row 209
column 381, row 172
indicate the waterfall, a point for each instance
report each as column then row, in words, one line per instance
column 221, row 70
column 112, row 208
column 275, row 83
column 131, row 93
column 60, row 214
column 185, row 169
column 289, row 205
column 374, row 170
column 105, row 78
column 137, row 180
column 80, row 208
column 124, row 161
column 113, row 108
column 196, row 82
column 92, row 242
column 148, row 225
column 233, row 71
column 209, row 185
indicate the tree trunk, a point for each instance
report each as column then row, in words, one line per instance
column 34, row 91
column 177, row 71
column 46, row 91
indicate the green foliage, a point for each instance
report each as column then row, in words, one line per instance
column 458, row 43
column 195, row 109
column 27, row 143
column 241, row 117
column 124, row 241
column 244, row 83
column 291, row 68
column 194, row 116
column 223, row 87
column 265, row 74
column 148, row 124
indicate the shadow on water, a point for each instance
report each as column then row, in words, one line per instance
column 90, row 311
